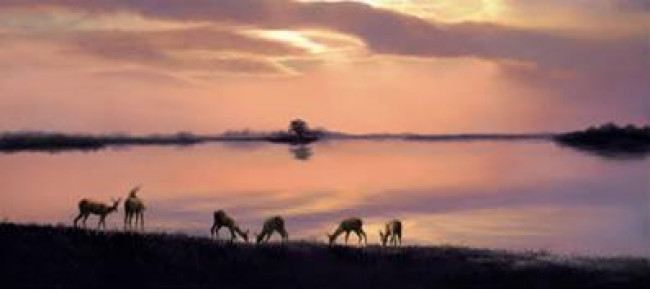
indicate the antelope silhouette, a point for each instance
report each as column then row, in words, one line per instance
column 271, row 225
column 393, row 229
column 221, row 219
column 349, row 225
column 134, row 207
column 88, row 207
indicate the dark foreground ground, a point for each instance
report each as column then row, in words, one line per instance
column 42, row 256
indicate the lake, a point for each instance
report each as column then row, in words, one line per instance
column 498, row 194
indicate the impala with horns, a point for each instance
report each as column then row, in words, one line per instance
column 221, row 219
column 272, row 225
column 134, row 207
column 392, row 230
column 349, row 225
column 88, row 207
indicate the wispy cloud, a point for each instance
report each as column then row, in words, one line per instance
column 383, row 31
column 202, row 49
column 582, row 76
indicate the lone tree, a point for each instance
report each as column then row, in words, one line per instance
column 299, row 128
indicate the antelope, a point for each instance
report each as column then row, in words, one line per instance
column 271, row 225
column 133, row 206
column 393, row 229
column 88, row 207
column 349, row 225
column 221, row 219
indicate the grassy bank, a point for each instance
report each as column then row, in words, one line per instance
column 43, row 141
column 43, row 256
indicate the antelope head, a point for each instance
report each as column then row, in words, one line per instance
column 115, row 203
column 244, row 235
column 134, row 191
column 258, row 237
column 383, row 237
column 331, row 237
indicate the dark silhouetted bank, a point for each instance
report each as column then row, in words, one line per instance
column 63, row 257
column 610, row 140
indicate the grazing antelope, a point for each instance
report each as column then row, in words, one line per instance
column 88, row 207
column 271, row 225
column 349, row 225
column 221, row 219
column 393, row 229
column 133, row 206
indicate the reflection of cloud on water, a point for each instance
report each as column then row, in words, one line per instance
column 578, row 194
column 499, row 194
column 486, row 226
column 557, row 215
column 247, row 208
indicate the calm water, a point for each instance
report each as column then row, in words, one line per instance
column 516, row 195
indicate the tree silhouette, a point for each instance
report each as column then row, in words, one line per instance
column 299, row 128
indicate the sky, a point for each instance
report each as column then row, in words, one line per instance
column 445, row 66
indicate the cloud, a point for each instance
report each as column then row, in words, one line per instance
column 142, row 75
column 591, row 6
column 614, row 17
column 203, row 38
column 582, row 72
column 383, row 31
column 202, row 49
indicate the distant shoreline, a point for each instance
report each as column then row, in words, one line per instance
column 56, row 142
column 607, row 140
column 47, row 256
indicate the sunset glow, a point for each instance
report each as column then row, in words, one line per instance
column 446, row 10
column 382, row 65
column 293, row 38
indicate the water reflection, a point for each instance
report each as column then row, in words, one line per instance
column 524, row 195
column 301, row 152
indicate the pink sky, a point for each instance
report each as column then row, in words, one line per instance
column 364, row 66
